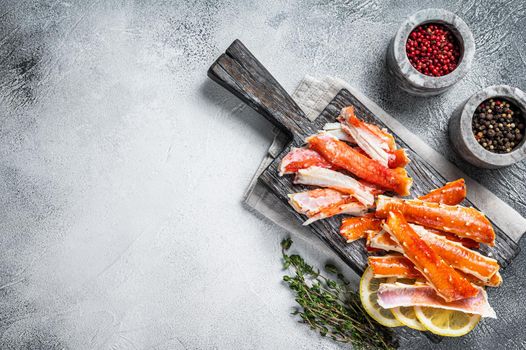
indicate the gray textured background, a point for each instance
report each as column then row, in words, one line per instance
column 123, row 167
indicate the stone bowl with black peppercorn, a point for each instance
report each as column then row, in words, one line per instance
column 489, row 130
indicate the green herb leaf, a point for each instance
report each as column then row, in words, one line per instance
column 330, row 307
column 286, row 243
column 331, row 269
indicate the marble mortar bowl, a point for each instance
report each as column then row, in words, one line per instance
column 411, row 80
column 463, row 139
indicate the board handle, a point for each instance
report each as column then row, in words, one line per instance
column 241, row 73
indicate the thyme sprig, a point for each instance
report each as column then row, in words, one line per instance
column 330, row 307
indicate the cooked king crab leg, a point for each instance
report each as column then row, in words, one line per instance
column 453, row 253
column 382, row 240
column 466, row 242
column 344, row 156
column 392, row 295
column 377, row 143
column 451, row 193
column 301, row 158
column 400, row 267
column 322, row 203
column 352, row 207
column 354, row 228
column 316, row 176
column 458, row 256
column 446, row 281
column 393, row 266
column 311, row 202
column 462, row 221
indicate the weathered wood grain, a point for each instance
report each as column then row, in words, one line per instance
column 242, row 74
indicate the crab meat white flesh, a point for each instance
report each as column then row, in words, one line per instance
column 374, row 146
column 392, row 295
column 311, row 202
column 335, row 130
column 321, row 177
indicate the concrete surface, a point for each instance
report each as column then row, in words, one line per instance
column 123, row 167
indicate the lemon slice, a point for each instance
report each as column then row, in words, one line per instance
column 447, row 323
column 368, row 289
column 406, row 314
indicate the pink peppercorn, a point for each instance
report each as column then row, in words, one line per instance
column 433, row 50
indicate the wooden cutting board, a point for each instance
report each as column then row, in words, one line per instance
column 241, row 73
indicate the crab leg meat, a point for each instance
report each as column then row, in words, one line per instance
column 451, row 193
column 312, row 202
column 316, row 176
column 322, row 203
column 458, row 256
column 446, row 281
column 377, row 143
column 454, row 253
column 382, row 137
column 393, row 266
column 462, row 221
column 356, row 227
column 494, row 281
column 335, row 130
column 344, row 156
column 375, row 189
column 398, row 158
column 400, row 267
column 466, row 242
column 351, row 208
column 392, row 295
column 301, row 158
column 382, row 240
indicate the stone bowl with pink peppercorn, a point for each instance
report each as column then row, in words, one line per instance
column 423, row 75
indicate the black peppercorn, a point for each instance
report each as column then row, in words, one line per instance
column 498, row 125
